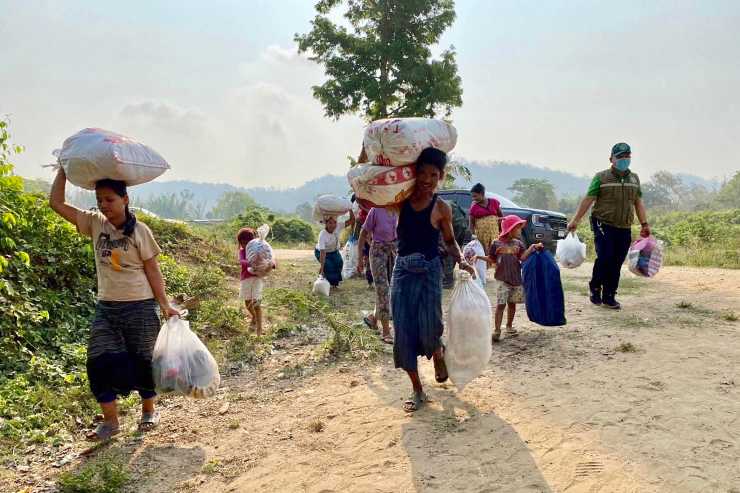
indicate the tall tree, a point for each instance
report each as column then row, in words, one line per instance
column 172, row 206
column 535, row 192
column 729, row 194
column 383, row 67
column 231, row 204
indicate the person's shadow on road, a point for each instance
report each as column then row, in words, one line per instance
column 453, row 446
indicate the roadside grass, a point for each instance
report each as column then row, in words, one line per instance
column 105, row 473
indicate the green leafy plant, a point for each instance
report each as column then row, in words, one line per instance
column 107, row 473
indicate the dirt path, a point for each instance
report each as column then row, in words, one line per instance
column 572, row 409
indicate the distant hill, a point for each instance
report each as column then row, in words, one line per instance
column 496, row 176
column 499, row 176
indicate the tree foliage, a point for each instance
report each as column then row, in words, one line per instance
column 537, row 193
column 181, row 205
column 382, row 66
column 667, row 192
column 47, row 294
column 729, row 194
column 292, row 230
column 231, row 204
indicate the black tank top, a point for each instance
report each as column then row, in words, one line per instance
column 416, row 233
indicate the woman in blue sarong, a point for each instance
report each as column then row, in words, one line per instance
column 327, row 252
column 416, row 286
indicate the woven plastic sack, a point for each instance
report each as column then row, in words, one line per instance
column 543, row 290
column 259, row 253
column 468, row 339
column 472, row 250
column 321, row 286
column 645, row 256
column 330, row 205
column 381, row 186
column 571, row 252
column 94, row 154
column 181, row 362
column 399, row 141
column 349, row 256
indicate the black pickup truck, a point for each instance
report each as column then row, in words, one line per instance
column 545, row 227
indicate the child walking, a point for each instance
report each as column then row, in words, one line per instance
column 131, row 294
column 250, row 285
column 507, row 253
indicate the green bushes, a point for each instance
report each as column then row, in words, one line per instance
column 704, row 239
column 701, row 239
column 292, row 230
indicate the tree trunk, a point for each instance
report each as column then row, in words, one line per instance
column 385, row 38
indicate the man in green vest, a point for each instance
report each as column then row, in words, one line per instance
column 614, row 193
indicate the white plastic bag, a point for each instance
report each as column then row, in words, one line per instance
column 472, row 250
column 321, row 286
column 330, row 205
column 94, row 154
column 259, row 253
column 571, row 252
column 381, row 186
column 468, row 341
column 181, row 362
column 399, row 141
column 349, row 256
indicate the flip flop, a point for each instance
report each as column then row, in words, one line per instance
column 387, row 339
column 369, row 323
column 149, row 421
column 415, row 402
column 103, row 432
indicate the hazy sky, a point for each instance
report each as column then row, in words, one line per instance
column 218, row 89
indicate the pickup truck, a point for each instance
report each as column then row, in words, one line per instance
column 545, row 227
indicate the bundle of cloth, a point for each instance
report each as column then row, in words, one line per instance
column 259, row 253
column 645, row 256
column 392, row 147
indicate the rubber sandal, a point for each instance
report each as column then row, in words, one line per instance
column 103, row 432
column 387, row 339
column 149, row 421
column 369, row 323
column 414, row 402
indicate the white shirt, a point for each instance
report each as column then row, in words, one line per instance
column 328, row 241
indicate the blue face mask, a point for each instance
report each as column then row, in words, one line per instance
column 622, row 164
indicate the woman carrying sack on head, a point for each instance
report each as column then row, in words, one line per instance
column 327, row 252
column 131, row 294
column 485, row 216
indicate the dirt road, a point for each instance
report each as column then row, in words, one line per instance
column 641, row 400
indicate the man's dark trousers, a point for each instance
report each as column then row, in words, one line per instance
column 611, row 249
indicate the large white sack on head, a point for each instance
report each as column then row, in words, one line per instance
column 331, row 205
column 468, row 331
column 399, row 141
column 382, row 186
column 94, row 154
column 570, row 252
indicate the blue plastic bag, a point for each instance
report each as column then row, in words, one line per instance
column 543, row 290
